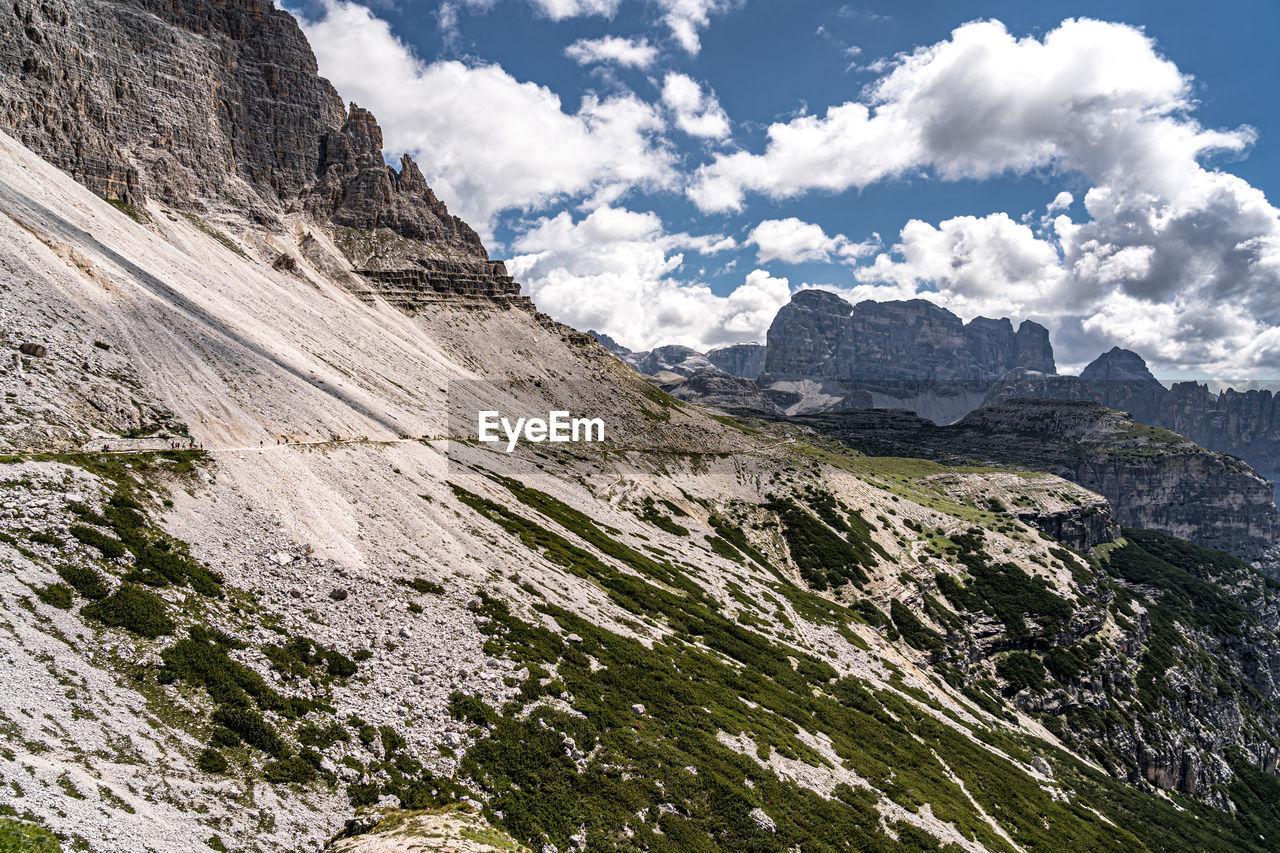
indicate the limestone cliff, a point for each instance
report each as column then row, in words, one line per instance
column 1152, row 477
column 216, row 107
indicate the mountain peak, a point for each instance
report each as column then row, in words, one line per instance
column 1118, row 365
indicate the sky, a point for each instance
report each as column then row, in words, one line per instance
column 671, row 171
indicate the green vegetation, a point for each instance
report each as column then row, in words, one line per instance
column 85, row 581
column 20, row 837
column 212, row 761
column 1004, row 590
column 824, row 557
column 134, row 609
column 55, row 595
column 1176, row 577
column 1021, row 669
column 916, row 633
column 422, row 585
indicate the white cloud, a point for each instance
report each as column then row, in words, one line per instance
column 794, row 241
column 556, row 10
column 486, row 141
column 616, row 270
column 697, row 113
column 1061, row 201
column 686, row 17
column 629, row 53
column 1092, row 97
column 1174, row 258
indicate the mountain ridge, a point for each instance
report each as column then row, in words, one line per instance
column 342, row 614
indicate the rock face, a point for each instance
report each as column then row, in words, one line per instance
column 216, row 106
column 357, row 189
column 1242, row 423
column 198, row 104
column 746, row 361
column 712, row 387
column 911, row 354
column 1152, row 477
column 883, row 344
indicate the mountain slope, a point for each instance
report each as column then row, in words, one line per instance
column 341, row 613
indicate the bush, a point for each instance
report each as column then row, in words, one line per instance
column 423, row 586
column 85, row 581
column 294, row 770
column 916, row 633
column 252, row 729
column 110, row 548
column 45, row 538
column 212, row 761
column 133, row 608
column 1021, row 669
column 55, row 595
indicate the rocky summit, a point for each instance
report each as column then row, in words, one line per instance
column 261, row 588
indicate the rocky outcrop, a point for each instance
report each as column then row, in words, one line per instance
column 881, row 344
column 1242, row 423
column 712, row 387
column 198, row 104
column 1153, row 478
column 216, row 106
column 357, row 189
column 912, row 354
column 746, row 361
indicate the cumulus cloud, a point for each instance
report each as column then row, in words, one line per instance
column 794, row 241
column 686, row 17
column 697, row 113
column 1174, row 257
column 629, row 53
column 486, row 141
column 617, row 271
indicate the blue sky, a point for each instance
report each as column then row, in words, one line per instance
column 669, row 171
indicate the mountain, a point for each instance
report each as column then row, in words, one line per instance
column 910, row 354
column 1151, row 477
column 744, row 361
column 265, row 588
column 1241, row 423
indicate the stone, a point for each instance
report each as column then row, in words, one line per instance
column 745, row 361
column 638, row 708
column 338, row 594
column 36, row 350
column 1042, row 767
column 763, row 820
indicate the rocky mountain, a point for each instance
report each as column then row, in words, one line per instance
column 263, row 588
column 744, row 361
column 910, row 354
column 1152, row 477
column 1241, row 423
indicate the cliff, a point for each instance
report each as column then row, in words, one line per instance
column 1240, row 423
column 888, row 344
column 217, row 109
column 1152, row 477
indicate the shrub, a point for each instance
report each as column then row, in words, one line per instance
column 294, row 770
column 423, row 586
column 85, row 581
column 212, row 761
column 133, row 608
column 110, row 548
column 916, row 633
column 55, row 595
column 252, row 729
column 46, row 538
column 1021, row 669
